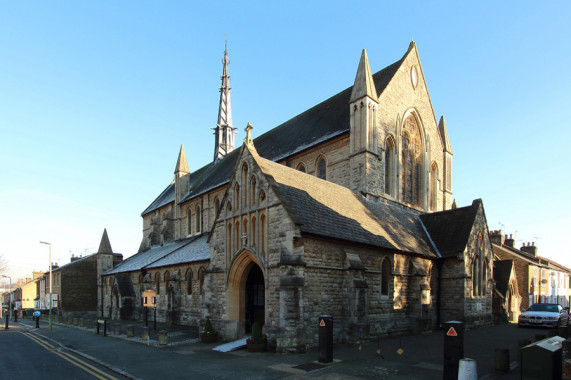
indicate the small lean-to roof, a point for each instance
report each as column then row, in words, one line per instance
column 148, row 258
column 329, row 210
column 450, row 229
column 320, row 123
column 502, row 272
column 196, row 250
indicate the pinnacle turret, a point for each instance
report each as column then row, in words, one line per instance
column 364, row 85
column 181, row 163
column 105, row 246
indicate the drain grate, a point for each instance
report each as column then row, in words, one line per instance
column 308, row 367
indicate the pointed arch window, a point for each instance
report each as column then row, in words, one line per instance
column 262, row 232
column 253, row 238
column 158, row 283
column 229, row 240
column 237, row 196
column 200, row 279
column 244, row 183
column 433, row 186
column 237, row 235
column 321, row 167
column 385, row 276
column 253, row 192
column 216, row 206
column 390, row 166
column 189, row 281
column 167, row 276
column 244, row 236
column 198, row 224
column 189, row 224
column 301, row 167
column 411, row 160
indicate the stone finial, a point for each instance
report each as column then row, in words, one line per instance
column 248, row 140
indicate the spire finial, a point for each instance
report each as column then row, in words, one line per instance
column 224, row 132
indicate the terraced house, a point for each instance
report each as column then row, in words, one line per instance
column 345, row 209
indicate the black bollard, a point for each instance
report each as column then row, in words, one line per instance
column 325, row 339
column 7, row 323
column 453, row 348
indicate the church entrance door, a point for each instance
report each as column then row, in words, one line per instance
column 255, row 298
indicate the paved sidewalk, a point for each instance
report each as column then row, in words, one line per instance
column 421, row 357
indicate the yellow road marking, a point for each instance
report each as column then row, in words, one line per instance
column 72, row 359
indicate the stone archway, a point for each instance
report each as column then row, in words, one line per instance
column 245, row 295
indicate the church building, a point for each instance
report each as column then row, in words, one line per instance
column 344, row 210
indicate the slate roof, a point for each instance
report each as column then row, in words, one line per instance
column 329, row 210
column 124, row 285
column 320, row 123
column 181, row 251
column 197, row 250
column 450, row 229
column 502, row 271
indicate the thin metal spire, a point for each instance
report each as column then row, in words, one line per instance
column 224, row 131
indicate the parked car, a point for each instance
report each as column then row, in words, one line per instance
column 544, row 314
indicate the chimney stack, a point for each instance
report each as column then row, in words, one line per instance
column 509, row 241
column 529, row 248
column 497, row 237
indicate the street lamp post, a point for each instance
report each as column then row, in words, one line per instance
column 50, row 245
column 9, row 294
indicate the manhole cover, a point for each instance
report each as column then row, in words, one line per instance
column 310, row 366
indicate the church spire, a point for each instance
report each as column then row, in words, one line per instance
column 224, row 132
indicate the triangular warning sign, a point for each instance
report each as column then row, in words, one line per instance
column 452, row 332
column 322, row 323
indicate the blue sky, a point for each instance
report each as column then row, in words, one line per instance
column 97, row 97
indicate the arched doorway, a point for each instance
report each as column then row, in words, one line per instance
column 255, row 298
column 246, row 294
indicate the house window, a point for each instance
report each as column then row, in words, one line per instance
column 385, row 276
column 321, row 167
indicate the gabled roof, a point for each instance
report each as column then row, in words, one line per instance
column 329, row 210
column 450, row 229
column 178, row 252
column 320, row 123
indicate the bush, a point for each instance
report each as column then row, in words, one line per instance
column 208, row 329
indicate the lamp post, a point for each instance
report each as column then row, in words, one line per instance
column 9, row 294
column 50, row 245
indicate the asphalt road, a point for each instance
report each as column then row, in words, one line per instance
column 26, row 355
column 409, row 357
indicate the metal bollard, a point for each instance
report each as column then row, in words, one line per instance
column 453, row 348
column 325, row 339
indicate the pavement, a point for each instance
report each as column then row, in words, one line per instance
column 407, row 357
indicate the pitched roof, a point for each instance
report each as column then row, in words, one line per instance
column 450, row 229
column 320, row 123
column 191, row 249
column 329, row 210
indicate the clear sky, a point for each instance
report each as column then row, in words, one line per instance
column 97, row 97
